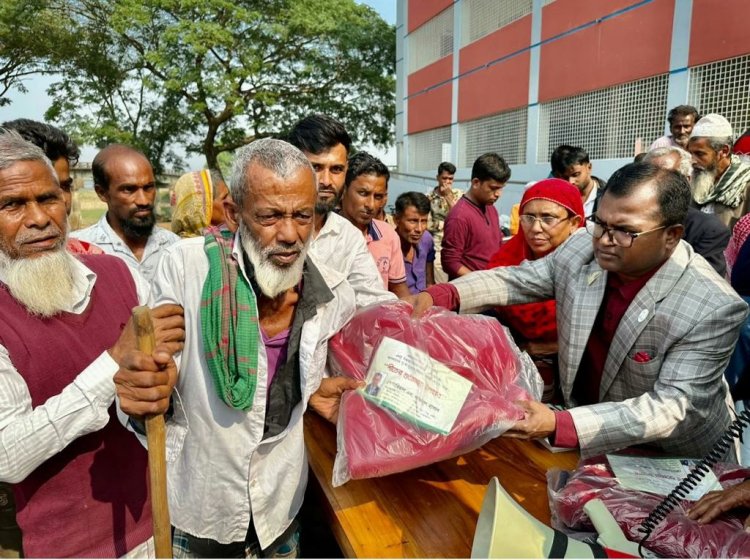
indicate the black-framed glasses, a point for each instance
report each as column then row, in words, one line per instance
column 547, row 222
column 617, row 236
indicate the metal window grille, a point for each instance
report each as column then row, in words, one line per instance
column 431, row 41
column 607, row 123
column 723, row 87
column 503, row 133
column 482, row 17
column 426, row 148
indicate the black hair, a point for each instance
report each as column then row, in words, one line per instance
column 683, row 111
column 564, row 156
column 673, row 190
column 54, row 142
column 363, row 163
column 319, row 133
column 446, row 166
column 216, row 178
column 490, row 166
column 419, row 201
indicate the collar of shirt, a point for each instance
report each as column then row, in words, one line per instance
column 628, row 290
column 373, row 233
column 83, row 283
column 156, row 240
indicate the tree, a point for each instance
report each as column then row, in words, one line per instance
column 22, row 53
column 220, row 73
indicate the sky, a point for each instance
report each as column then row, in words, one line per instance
column 35, row 102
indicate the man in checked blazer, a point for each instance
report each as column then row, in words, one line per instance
column 646, row 326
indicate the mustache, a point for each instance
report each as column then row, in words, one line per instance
column 281, row 248
column 32, row 236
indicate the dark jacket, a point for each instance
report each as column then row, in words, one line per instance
column 709, row 237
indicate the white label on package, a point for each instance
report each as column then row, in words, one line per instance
column 408, row 382
column 659, row 475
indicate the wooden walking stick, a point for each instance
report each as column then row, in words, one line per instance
column 156, row 433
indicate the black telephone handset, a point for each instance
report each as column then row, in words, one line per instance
column 718, row 451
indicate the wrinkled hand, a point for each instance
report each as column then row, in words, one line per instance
column 713, row 504
column 326, row 400
column 169, row 332
column 538, row 421
column 144, row 383
column 169, row 326
column 420, row 303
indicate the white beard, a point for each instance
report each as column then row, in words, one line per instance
column 44, row 285
column 271, row 278
column 702, row 184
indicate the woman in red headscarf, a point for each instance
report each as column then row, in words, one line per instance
column 550, row 211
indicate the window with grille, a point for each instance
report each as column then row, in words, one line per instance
column 504, row 133
column 431, row 41
column 607, row 123
column 426, row 148
column 723, row 87
column 482, row 17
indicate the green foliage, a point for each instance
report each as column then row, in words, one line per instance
column 216, row 74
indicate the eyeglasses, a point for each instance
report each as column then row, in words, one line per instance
column 617, row 236
column 547, row 222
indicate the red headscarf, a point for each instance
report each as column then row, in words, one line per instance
column 535, row 321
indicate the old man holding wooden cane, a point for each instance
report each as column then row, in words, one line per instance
column 258, row 314
column 78, row 476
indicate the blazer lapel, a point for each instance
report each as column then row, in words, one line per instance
column 639, row 314
column 590, row 287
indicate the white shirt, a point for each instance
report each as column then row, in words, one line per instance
column 588, row 205
column 102, row 235
column 342, row 247
column 29, row 436
column 220, row 472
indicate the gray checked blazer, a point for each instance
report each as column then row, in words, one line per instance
column 686, row 317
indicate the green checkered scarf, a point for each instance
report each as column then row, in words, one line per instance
column 229, row 323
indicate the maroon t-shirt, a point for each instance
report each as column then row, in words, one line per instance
column 470, row 238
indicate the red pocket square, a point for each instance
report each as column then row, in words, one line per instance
column 642, row 357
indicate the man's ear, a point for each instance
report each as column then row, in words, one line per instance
column 231, row 212
column 725, row 151
column 674, row 234
column 102, row 193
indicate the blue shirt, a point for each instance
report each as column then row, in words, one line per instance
column 416, row 271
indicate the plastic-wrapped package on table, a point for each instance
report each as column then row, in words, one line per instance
column 675, row 537
column 373, row 441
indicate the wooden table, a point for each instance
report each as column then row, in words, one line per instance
column 427, row 512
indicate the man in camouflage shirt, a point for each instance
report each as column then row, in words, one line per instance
column 442, row 198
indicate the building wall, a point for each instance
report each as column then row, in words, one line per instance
column 522, row 76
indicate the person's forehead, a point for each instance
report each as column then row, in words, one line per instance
column 542, row 206
column 446, row 174
column 699, row 144
column 265, row 186
column 336, row 155
column 127, row 167
column 683, row 119
column 412, row 212
column 24, row 174
column 638, row 207
column 376, row 183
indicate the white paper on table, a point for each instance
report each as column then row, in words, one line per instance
column 407, row 381
column 659, row 476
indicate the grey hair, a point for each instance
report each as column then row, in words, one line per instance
column 717, row 143
column 14, row 148
column 277, row 156
column 686, row 160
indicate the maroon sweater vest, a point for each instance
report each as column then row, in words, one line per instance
column 91, row 499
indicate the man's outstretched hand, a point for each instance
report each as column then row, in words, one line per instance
column 327, row 399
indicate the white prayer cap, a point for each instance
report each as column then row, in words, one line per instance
column 712, row 126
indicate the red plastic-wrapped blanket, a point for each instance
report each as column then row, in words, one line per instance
column 675, row 537
column 374, row 441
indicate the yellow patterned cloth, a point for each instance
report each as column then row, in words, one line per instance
column 192, row 203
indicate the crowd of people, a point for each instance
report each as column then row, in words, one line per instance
column 629, row 295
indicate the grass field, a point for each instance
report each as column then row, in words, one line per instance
column 91, row 208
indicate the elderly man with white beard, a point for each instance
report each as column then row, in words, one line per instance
column 78, row 476
column 721, row 180
column 258, row 313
